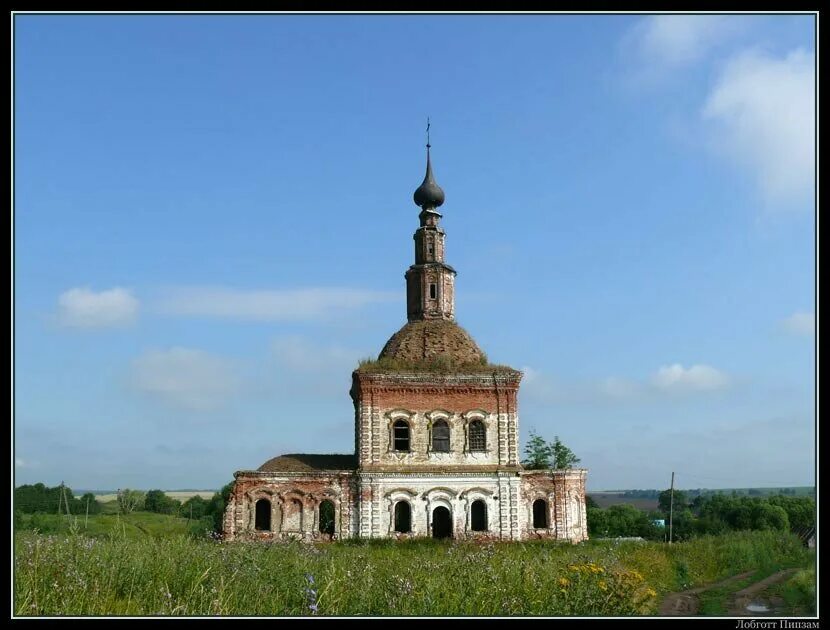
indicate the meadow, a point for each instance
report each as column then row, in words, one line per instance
column 115, row 573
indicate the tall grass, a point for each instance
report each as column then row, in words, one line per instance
column 117, row 575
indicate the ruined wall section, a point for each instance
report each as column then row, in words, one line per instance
column 564, row 493
column 295, row 500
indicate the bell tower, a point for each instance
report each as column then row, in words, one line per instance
column 430, row 282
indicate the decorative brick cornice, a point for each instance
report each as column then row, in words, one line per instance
column 440, row 382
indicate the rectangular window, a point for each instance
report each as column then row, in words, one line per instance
column 433, row 291
column 430, row 249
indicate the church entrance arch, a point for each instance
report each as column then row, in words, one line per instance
column 441, row 523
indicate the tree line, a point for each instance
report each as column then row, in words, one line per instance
column 705, row 514
column 41, row 499
column 38, row 498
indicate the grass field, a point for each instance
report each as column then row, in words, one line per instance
column 135, row 526
column 607, row 499
column 155, row 574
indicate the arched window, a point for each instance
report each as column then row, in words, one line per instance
column 478, row 516
column 262, row 520
column 327, row 517
column 441, row 437
column 400, row 434
column 403, row 517
column 478, row 436
column 540, row 514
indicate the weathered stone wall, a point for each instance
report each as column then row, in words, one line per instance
column 420, row 401
column 426, row 491
column 295, row 500
column 564, row 494
column 364, row 503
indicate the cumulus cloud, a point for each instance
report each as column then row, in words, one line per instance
column 676, row 378
column 666, row 381
column 82, row 307
column 268, row 305
column 185, row 378
column 668, row 41
column 761, row 113
column 801, row 324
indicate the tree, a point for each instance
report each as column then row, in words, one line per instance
column 542, row 455
column 216, row 506
column 538, row 453
column 664, row 501
column 90, row 503
column 157, row 501
column 195, row 507
column 563, row 457
column 130, row 500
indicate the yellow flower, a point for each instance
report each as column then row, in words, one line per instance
column 563, row 581
column 602, row 585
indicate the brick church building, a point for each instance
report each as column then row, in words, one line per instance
column 436, row 438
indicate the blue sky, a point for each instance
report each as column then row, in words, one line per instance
column 213, row 215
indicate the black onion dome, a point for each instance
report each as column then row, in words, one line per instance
column 428, row 194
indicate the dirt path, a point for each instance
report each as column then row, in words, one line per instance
column 686, row 603
column 754, row 593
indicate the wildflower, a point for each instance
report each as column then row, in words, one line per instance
column 311, row 594
column 602, row 585
column 563, row 581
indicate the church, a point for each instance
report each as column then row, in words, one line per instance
column 436, row 438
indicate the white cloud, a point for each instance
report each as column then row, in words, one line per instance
column 666, row 381
column 268, row 305
column 677, row 40
column 182, row 377
column 299, row 354
column 676, row 378
column 19, row 462
column 84, row 308
column 801, row 324
column 762, row 116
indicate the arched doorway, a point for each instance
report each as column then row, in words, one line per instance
column 540, row 514
column 262, row 519
column 327, row 517
column 441, row 523
column 403, row 517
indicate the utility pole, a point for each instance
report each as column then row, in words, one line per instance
column 65, row 500
column 671, row 506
